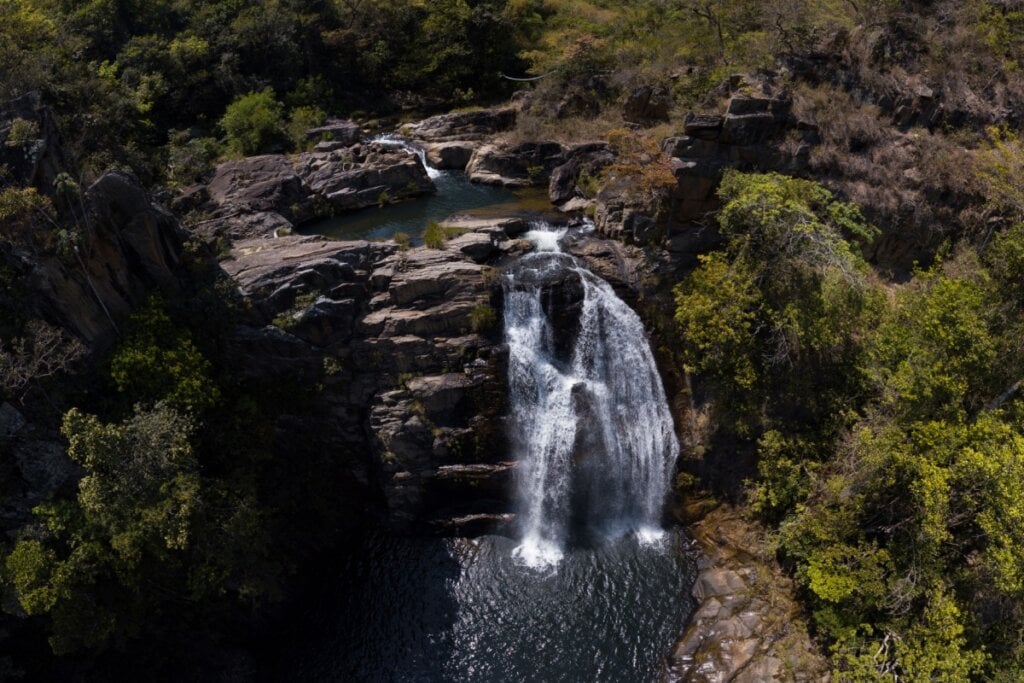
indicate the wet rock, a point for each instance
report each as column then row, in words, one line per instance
column 468, row 125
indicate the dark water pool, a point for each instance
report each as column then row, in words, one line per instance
column 455, row 196
column 438, row 610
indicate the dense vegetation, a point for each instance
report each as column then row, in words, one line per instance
column 887, row 425
column 138, row 82
column 884, row 417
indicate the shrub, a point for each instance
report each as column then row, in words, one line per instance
column 300, row 121
column 434, row 236
column 483, row 318
column 253, row 121
column 402, row 240
column 22, row 132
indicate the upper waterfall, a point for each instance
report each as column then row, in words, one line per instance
column 591, row 424
column 395, row 141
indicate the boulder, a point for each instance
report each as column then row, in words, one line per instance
column 507, row 227
column 260, row 184
column 647, row 104
column 363, row 176
column 478, row 246
column 334, row 130
column 529, row 163
column 450, row 156
column 587, row 158
column 465, row 125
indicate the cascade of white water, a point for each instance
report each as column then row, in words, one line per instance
column 593, row 429
column 402, row 143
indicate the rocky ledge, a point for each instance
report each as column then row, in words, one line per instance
column 270, row 195
column 747, row 627
column 405, row 346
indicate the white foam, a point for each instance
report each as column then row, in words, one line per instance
column 402, row 143
column 537, row 553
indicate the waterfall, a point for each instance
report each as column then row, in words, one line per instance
column 591, row 424
column 395, row 141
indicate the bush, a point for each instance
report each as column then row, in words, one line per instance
column 402, row 240
column 434, row 236
column 483, row 318
column 253, row 122
column 300, row 121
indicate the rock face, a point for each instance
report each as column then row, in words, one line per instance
column 647, row 104
column 450, row 156
column 586, row 160
column 39, row 158
column 748, row 137
column 469, row 125
column 529, row 163
column 269, row 195
column 129, row 248
column 747, row 627
column 417, row 371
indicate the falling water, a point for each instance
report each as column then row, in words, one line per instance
column 402, row 143
column 591, row 423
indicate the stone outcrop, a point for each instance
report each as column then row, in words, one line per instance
column 522, row 165
column 347, row 133
column 466, row 125
column 586, row 160
column 128, row 248
column 270, row 195
column 750, row 136
column 647, row 104
column 417, row 371
column 450, row 156
column 747, row 627
column 38, row 159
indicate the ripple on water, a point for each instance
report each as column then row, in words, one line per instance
column 468, row 610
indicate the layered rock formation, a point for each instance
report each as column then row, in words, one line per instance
column 522, row 165
column 407, row 349
column 270, row 195
column 747, row 627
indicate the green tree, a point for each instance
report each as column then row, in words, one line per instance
column 157, row 361
column 254, row 121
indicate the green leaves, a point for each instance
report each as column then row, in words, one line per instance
column 894, row 473
column 253, row 121
column 158, row 361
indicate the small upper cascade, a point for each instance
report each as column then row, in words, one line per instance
column 396, row 141
column 591, row 423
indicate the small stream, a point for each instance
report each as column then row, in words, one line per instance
column 456, row 196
